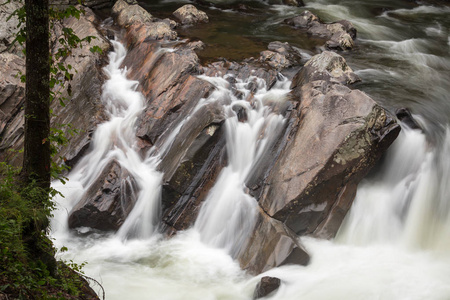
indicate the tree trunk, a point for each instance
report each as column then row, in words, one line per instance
column 36, row 162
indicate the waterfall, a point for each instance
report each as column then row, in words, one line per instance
column 395, row 241
column 228, row 215
column 115, row 140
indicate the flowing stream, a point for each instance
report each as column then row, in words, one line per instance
column 395, row 242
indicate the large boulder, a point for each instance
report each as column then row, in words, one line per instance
column 329, row 67
column 339, row 35
column 337, row 137
column 86, row 89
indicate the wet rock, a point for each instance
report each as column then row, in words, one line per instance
column 107, row 202
column 140, row 25
column 167, row 83
column 337, row 137
column 197, row 45
column 327, row 66
column 404, row 115
column 189, row 15
column 339, row 35
column 266, row 286
column 271, row 244
column 293, row 2
column 243, row 71
column 188, row 187
column 281, row 55
column 241, row 113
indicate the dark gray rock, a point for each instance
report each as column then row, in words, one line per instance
column 266, row 286
column 271, row 244
column 338, row 35
column 404, row 116
column 107, row 202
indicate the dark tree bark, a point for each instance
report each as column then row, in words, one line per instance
column 36, row 162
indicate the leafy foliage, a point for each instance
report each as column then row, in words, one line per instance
column 21, row 276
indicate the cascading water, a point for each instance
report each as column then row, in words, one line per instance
column 395, row 241
column 228, row 215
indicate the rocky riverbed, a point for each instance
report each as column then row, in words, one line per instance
column 304, row 182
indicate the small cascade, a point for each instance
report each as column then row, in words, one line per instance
column 228, row 215
column 407, row 204
column 115, row 140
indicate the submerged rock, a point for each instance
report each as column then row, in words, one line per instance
column 189, row 15
column 339, row 35
column 404, row 115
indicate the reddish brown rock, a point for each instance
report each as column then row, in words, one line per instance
column 338, row 136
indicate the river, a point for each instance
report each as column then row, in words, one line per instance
column 394, row 243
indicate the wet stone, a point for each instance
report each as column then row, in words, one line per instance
column 266, row 286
